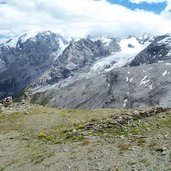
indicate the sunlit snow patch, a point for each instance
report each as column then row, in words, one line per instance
column 165, row 72
column 144, row 80
column 27, row 36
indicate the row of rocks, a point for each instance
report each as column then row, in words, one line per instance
column 9, row 103
column 124, row 118
column 6, row 102
column 26, row 98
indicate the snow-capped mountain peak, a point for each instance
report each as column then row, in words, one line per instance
column 130, row 45
column 10, row 42
column 27, row 36
column 145, row 38
column 33, row 36
column 129, row 48
column 106, row 40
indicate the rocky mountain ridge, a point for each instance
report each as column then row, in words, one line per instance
column 24, row 59
column 46, row 58
column 77, row 57
column 89, row 57
column 159, row 50
column 131, row 86
column 88, row 73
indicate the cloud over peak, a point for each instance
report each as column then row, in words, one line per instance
column 78, row 18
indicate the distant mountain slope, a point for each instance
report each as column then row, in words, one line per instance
column 45, row 61
column 141, row 86
column 89, row 57
column 77, row 57
column 130, row 87
column 24, row 58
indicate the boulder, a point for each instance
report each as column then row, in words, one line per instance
column 7, row 102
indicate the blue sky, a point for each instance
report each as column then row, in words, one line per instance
column 154, row 7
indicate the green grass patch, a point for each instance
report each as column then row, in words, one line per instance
column 15, row 115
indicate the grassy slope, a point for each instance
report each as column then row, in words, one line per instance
column 29, row 138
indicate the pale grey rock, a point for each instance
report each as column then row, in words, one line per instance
column 150, row 88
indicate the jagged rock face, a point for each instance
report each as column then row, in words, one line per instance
column 81, row 53
column 25, row 60
column 112, row 45
column 158, row 50
column 78, row 56
column 40, row 59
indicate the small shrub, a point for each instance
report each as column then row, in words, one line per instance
column 41, row 135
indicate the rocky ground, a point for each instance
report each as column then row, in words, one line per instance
column 38, row 138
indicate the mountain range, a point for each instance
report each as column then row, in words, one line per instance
column 92, row 72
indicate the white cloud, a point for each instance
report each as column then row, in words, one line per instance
column 79, row 17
